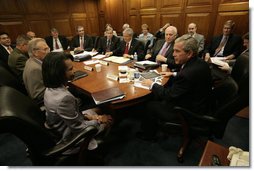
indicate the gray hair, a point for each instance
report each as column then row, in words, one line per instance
column 33, row 45
column 22, row 39
column 189, row 44
column 54, row 30
column 129, row 31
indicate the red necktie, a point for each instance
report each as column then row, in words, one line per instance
column 57, row 46
column 126, row 48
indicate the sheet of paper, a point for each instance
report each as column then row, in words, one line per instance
column 99, row 56
column 117, row 59
column 90, row 62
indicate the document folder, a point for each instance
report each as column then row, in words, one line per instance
column 107, row 95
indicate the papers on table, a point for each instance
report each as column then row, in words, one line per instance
column 117, row 59
column 90, row 62
column 99, row 56
column 219, row 61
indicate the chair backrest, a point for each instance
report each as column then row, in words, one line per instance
column 240, row 71
column 147, row 46
column 7, row 78
column 96, row 42
column 20, row 116
column 231, row 100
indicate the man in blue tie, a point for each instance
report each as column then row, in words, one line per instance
column 162, row 52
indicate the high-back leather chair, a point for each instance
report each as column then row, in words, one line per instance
column 20, row 116
column 228, row 98
column 8, row 78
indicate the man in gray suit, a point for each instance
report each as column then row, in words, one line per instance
column 192, row 32
column 32, row 75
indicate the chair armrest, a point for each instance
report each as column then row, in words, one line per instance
column 85, row 134
column 189, row 114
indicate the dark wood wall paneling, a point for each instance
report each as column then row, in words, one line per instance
column 19, row 16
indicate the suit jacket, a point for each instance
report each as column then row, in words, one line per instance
column 4, row 54
column 190, row 88
column 233, row 45
column 169, row 54
column 201, row 41
column 136, row 46
column 32, row 77
column 88, row 43
column 62, row 113
column 17, row 61
column 113, row 45
column 63, row 40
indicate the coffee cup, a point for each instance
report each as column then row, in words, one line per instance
column 164, row 67
column 98, row 67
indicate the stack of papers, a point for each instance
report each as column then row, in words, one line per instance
column 117, row 59
column 219, row 61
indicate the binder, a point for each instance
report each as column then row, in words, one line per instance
column 107, row 95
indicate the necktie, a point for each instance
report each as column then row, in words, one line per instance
column 222, row 44
column 56, row 44
column 108, row 45
column 81, row 42
column 164, row 50
column 126, row 48
column 9, row 49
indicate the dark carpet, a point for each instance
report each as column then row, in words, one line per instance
column 122, row 148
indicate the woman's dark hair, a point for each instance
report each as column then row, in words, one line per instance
column 54, row 68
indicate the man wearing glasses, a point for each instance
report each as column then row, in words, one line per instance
column 32, row 75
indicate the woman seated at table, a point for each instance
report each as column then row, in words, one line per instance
column 63, row 117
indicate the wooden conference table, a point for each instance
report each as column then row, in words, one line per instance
column 96, row 81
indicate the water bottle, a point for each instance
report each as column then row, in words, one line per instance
column 135, row 56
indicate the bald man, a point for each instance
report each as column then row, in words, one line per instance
column 162, row 52
column 192, row 32
column 30, row 34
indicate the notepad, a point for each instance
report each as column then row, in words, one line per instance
column 107, row 95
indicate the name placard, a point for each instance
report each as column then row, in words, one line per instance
column 112, row 77
column 104, row 63
column 88, row 68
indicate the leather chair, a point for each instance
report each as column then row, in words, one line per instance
column 8, row 78
column 21, row 117
column 147, row 46
column 228, row 98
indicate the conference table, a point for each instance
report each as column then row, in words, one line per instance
column 97, row 81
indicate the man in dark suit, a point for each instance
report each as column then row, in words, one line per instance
column 57, row 42
column 190, row 89
column 226, row 45
column 128, row 46
column 5, row 47
column 162, row 52
column 81, row 41
column 109, row 43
